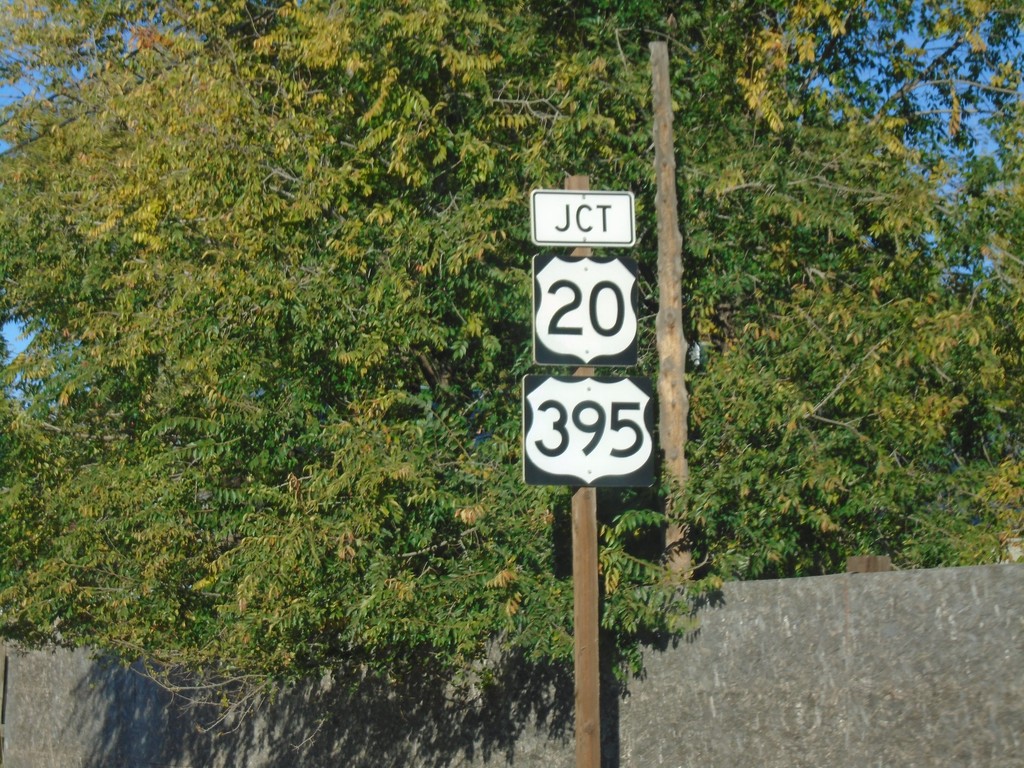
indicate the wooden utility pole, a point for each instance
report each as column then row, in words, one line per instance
column 674, row 401
column 586, row 598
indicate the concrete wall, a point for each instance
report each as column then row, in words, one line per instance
column 906, row 669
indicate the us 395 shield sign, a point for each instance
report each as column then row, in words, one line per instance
column 585, row 310
column 594, row 431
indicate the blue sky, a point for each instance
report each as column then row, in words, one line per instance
column 12, row 333
column 15, row 342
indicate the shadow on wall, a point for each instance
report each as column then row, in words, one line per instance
column 123, row 718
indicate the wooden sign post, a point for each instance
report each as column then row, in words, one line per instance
column 585, row 595
column 586, row 431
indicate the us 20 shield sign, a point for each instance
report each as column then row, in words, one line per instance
column 594, row 431
column 585, row 310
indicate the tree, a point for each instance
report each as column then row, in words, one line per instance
column 860, row 399
column 274, row 257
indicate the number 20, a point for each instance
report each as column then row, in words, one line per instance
column 555, row 327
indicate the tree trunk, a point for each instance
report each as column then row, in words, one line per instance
column 672, row 347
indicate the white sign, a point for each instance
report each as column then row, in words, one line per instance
column 595, row 431
column 585, row 310
column 566, row 218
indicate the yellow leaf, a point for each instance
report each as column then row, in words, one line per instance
column 503, row 579
column 512, row 606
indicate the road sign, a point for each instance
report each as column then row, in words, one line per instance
column 597, row 219
column 594, row 431
column 585, row 310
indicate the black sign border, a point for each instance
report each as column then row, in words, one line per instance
column 542, row 355
column 643, row 477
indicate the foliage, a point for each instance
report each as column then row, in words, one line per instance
column 274, row 259
column 862, row 391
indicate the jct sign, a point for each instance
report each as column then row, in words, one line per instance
column 596, row 219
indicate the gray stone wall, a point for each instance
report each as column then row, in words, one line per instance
column 922, row 668
column 907, row 669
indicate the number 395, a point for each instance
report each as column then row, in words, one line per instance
column 590, row 418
